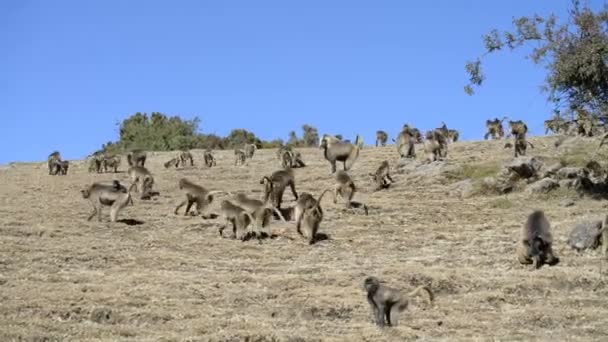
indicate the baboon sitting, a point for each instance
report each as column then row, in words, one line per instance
column 453, row 135
column 250, row 150
column 386, row 303
column 291, row 159
column 381, row 137
column 346, row 189
column 116, row 196
column 535, row 246
column 310, row 217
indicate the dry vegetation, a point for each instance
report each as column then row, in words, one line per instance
column 173, row 278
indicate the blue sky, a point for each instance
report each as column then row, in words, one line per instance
column 70, row 70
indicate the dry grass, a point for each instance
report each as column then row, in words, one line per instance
column 173, row 278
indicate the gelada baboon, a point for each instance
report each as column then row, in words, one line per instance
column 494, row 129
column 274, row 186
column 555, row 125
column 63, row 167
column 517, row 127
column 291, row 159
column 96, row 162
column 336, row 150
column 386, row 303
column 137, row 158
column 172, row 162
column 604, row 233
column 345, row 187
column 520, row 144
column 142, row 180
column 382, row 176
column 453, row 135
column 114, row 195
column 209, row 158
column 111, row 162
column 240, row 157
column 238, row 217
column 405, row 143
column 258, row 210
column 185, row 156
column 53, row 163
column 381, row 138
column 310, row 215
column 435, row 146
column 195, row 194
column 535, row 246
column 250, row 150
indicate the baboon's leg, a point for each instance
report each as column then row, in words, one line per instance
column 333, row 166
column 279, row 199
column 99, row 212
column 298, row 215
column 190, row 203
column 117, row 207
column 199, row 206
column 92, row 214
column 183, row 203
column 292, row 185
column 605, row 242
column 536, row 262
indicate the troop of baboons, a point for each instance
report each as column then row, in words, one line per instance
column 247, row 216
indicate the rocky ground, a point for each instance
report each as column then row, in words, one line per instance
column 158, row 276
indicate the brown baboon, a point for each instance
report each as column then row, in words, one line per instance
column 142, row 180
column 494, row 129
column 274, row 186
column 535, row 246
column 137, row 158
column 386, row 303
column 194, row 194
column 238, row 217
column 54, row 160
column 336, row 150
column 453, row 135
column 291, row 159
column 250, row 150
column 63, row 167
column 260, row 213
column 305, row 201
column 310, row 217
column 520, row 144
column 209, row 159
column 517, row 127
column 96, row 162
column 240, row 157
column 444, row 130
column 382, row 176
column 345, row 187
column 116, row 196
column 185, row 156
column 111, row 162
column 435, row 146
column 556, row 125
column 405, row 143
column 381, row 137
column 172, row 162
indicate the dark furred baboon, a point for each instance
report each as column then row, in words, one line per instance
column 382, row 176
column 142, row 180
column 405, row 143
column 209, row 159
column 517, row 127
column 386, row 303
column 238, row 217
column 310, row 217
column 111, row 162
column 185, row 156
column 195, row 194
column 535, row 246
column 274, row 186
column 63, row 167
column 435, row 146
column 335, row 150
column 494, row 129
column 114, row 195
column 345, row 187
column 520, row 144
column 54, row 160
column 381, row 137
column 137, row 158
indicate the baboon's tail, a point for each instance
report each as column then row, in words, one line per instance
column 425, row 288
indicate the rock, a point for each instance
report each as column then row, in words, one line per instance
column 525, row 167
column 571, row 173
column 102, row 316
column 566, row 183
column 493, row 185
column 566, row 203
column 543, row 186
column 552, row 170
column 585, row 235
column 464, row 188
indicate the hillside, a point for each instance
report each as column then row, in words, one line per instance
column 174, row 278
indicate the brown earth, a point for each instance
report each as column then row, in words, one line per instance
column 173, row 278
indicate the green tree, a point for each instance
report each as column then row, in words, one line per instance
column 239, row 137
column 310, row 136
column 293, row 139
column 574, row 53
column 157, row 132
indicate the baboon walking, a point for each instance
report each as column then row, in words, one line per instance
column 116, row 196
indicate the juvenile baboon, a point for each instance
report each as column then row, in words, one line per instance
column 250, row 150
column 517, row 127
column 172, row 162
column 310, row 217
column 142, row 180
column 136, row 158
column 521, row 144
column 435, row 146
column 274, row 186
column 453, row 135
column 535, row 246
column 494, row 129
column 381, row 137
column 335, row 150
column 386, row 303
column 345, row 187
column 195, row 194
column 96, row 162
column 240, row 157
column 63, row 167
column 111, row 162
column 405, row 143
column 382, row 176
column 209, row 159
column 238, row 217
column 291, row 159
column 54, row 160
column 114, row 195
column 258, row 210
column 185, row 156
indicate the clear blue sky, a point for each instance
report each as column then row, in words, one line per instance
column 70, row 70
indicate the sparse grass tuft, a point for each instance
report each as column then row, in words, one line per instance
column 476, row 171
column 500, row 203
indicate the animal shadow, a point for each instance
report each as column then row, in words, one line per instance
column 131, row 222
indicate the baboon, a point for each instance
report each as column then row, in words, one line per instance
column 209, row 159
column 250, row 150
column 336, row 150
column 517, row 127
column 63, row 167
column 405, row 143
column 96, row 162
column 186, row 156
column 310, row 217
column 345, row 187
column 386, row 303
column 443, row 129
column 604, row 232
column 494, row 129
column 453, row 135
column 535, row 246
column 142, row 180
column 258, row 210
column 554, row 125
column 54, row 160
column 305, row 201
column 435, row 146
column 382, row 176
column 194, row 194
column 240, row 157
column 381, row 137
column 137, row 158
column 238, row 217
column 274, row 186
column 291, row 159
column 172, row 162
column 520, row 144
column 111, row 162
column 114, row 195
